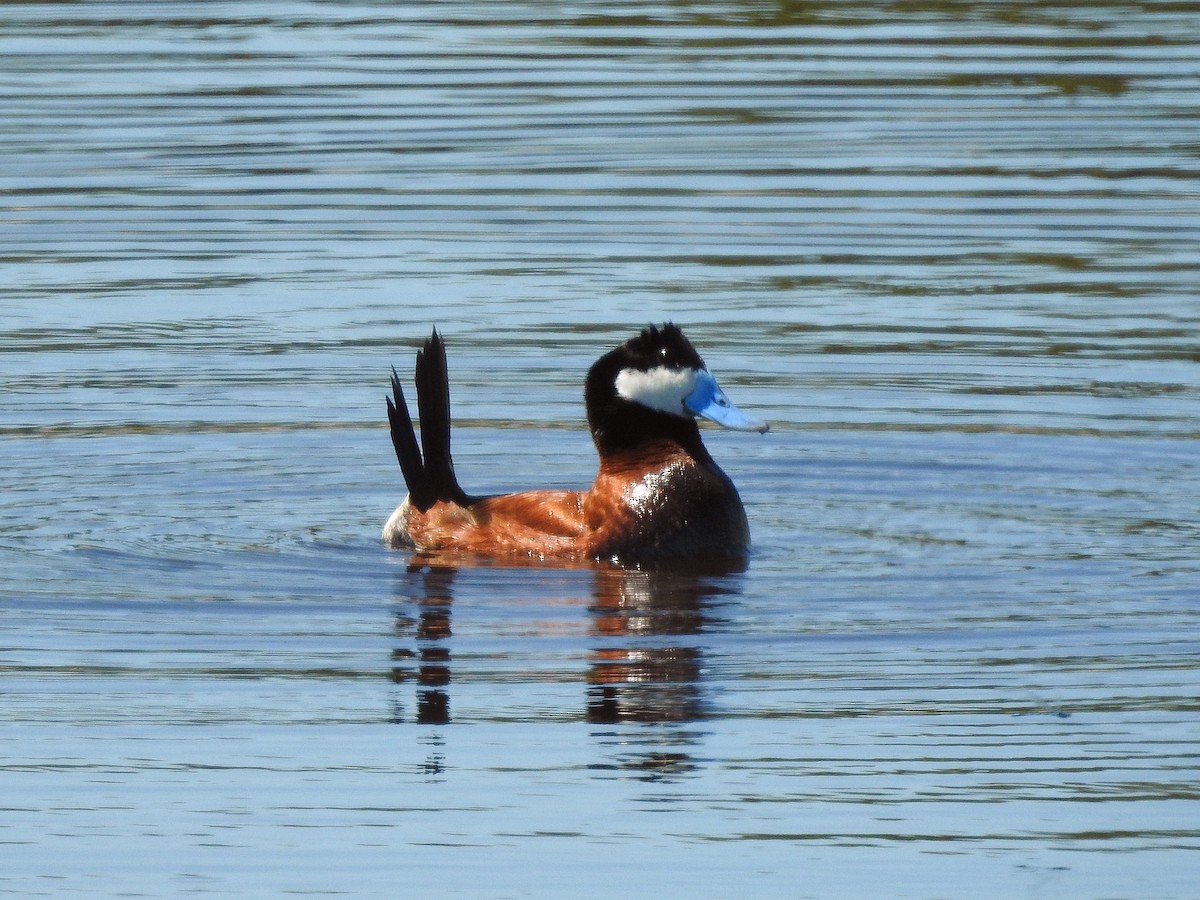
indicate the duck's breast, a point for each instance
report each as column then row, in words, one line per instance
column 682, row 509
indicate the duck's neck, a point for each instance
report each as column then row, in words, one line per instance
column 645, row 436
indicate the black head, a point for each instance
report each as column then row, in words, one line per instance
column 651, row 387
column 656, row 347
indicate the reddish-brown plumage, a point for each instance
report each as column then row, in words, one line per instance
column 534, row 523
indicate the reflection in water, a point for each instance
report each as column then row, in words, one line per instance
column 431, row 628
column 645, row 664
column 634, row 678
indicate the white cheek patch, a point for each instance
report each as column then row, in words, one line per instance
column 659, row 388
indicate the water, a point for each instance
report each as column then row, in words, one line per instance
column 949, row 250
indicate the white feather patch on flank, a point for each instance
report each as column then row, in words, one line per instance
column 659, row 388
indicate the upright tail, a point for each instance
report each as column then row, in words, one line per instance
column 428, row 469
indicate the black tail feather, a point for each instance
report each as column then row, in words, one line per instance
column 433, row 404
column 404, row 439
column 430, row 479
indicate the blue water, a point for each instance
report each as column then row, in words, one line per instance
column 948, row 250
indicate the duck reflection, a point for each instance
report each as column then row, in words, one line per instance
column 429, row 664
column 644, row 667
column 644, row 662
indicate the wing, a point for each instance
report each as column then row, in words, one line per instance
column 538, row 523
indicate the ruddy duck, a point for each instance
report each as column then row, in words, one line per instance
column 658, row 494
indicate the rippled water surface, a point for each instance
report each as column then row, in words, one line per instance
column 949, row 249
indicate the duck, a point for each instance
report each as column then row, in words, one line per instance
column 658, row 495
